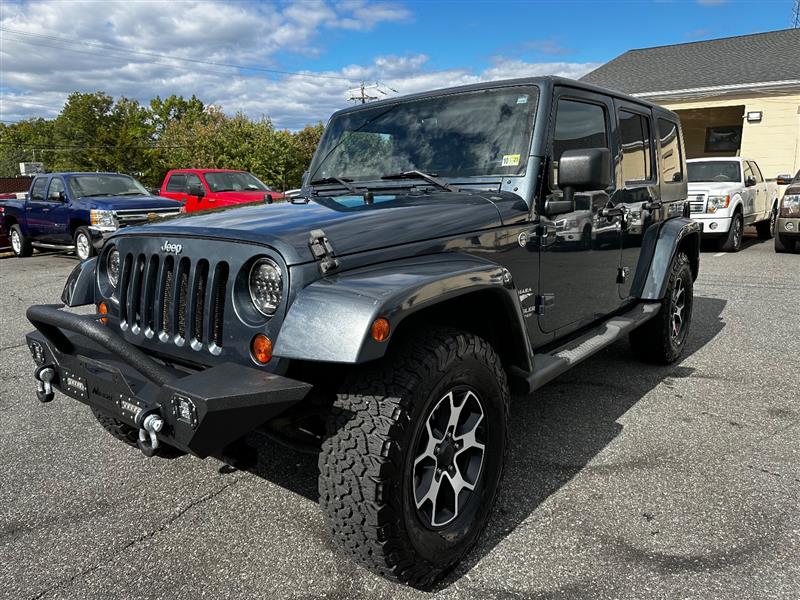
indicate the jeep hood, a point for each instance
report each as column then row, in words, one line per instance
column 350, row 224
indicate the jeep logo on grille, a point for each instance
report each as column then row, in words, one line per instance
column 171, row 248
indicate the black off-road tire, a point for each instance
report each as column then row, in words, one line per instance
column 122, row 431
column 654, row 341
column 784, row 244
column 366, row 480
column 25, row 248
column 733, row 242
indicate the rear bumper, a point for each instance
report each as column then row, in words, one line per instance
column 203, row 411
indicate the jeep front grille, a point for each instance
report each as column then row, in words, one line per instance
column 174, row 300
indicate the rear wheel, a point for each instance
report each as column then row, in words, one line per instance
column 83, row 243
column 19, row 243
column 663, row 338
column 733, row 242
column 766, row 229
column 414, row 454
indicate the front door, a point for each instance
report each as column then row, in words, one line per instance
column 579, row 249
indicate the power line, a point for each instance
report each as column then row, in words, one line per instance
column 169, row 57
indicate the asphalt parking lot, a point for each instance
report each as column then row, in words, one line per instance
column 624, row 480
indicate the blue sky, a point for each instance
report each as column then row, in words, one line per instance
column 143, row 48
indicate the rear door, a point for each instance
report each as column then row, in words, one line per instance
column 579, row 256
column 36, row 210
column 761, row 206
column 749, row 194
column 639, row 192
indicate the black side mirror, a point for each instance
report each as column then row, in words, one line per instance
column 783, row 179
column 197, row 189
column 750, row 181
column 62, row 196
column 581, row 171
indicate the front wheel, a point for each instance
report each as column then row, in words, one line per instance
column 414, row 454
column 733, row 241
column 83, row 244
column 663, row 338
column 783, row 244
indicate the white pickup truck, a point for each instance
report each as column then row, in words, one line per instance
column 728, row 194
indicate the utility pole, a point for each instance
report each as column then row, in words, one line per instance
column 365, row 93
column 796, row 14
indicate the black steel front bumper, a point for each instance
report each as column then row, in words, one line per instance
column 203, row 411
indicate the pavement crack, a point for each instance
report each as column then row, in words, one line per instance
column 145, row 536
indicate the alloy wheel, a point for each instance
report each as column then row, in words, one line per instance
column 16, row 242
column 82, row 248
column 449, row 457
column 678, row 306
column 737, row 232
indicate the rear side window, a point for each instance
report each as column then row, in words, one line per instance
column 177, row 183
column 37, row 191
column 635, row 137
column 670, row 147
column 578, row 125
column 56, row 187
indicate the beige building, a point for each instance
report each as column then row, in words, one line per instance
column 737, row 96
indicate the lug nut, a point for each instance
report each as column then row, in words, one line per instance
column 451, row 469
column 438, row 472
column 436, row 451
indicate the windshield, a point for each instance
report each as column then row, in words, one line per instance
column 234, row 182
column 105, row 185
column 719, row 171
column 470, row 134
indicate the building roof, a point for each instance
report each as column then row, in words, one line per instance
column 737, row 62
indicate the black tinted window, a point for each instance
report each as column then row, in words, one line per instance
column 578, row 125
column 177, row 183
column 670, row 145
column 56, row 187
column 37, row 191
column 635, row 137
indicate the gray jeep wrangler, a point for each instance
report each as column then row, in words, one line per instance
column 384, row 316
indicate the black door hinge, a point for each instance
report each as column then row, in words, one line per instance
column 543, row 301
column 322, row 250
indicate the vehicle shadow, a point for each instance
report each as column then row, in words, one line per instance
column 749, row 240
column 554, row 434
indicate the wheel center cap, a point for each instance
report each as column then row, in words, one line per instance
column 447, row 452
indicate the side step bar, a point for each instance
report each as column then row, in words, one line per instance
column 548, row 366
column 52, row 246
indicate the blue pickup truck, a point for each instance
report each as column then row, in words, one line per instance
column 77, row 211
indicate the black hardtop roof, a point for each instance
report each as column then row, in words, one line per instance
column 546, row 83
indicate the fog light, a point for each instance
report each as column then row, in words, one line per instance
column 102, row 309
column 713, row 226
column 789, row 226
column 261, row 349
column 380, row 329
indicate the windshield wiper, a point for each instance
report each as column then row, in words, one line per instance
column 129, row 194
column 343, row 182
column 429, row 177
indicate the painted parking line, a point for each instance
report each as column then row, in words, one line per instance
column 718, row 254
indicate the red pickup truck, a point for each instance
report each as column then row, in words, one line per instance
column 201, row 189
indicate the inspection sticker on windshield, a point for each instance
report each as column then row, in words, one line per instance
column 510, row 160
column 522, row 100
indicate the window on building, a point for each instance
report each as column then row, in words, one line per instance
column 670, row 145
column 635, row 137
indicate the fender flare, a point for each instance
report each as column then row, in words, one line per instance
column 79, row 287
column 660, row 244
column 330, row 320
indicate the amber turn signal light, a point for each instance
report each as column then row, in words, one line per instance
column 261, row 349
column 380, row 329
column 102, row 309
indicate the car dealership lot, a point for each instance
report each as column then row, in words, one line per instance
column 679, row 481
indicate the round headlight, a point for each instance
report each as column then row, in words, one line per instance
column 112, row 267
column 266, row 286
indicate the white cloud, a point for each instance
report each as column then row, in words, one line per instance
column 38, row 72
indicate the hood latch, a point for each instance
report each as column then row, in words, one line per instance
column 323, row 251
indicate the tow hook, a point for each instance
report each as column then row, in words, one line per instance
column 44, row 383
column 148, row 442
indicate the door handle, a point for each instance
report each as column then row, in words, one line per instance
column 28, row 208
column 654, row 205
